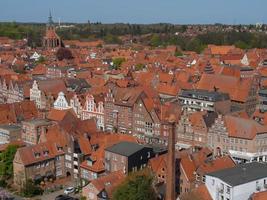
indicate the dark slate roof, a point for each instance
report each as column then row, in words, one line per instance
column 204, row 95
column 125, row 148
column 209, row 118
column 11, row 127
column 242, row 174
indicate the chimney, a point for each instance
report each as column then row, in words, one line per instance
column 170, row 185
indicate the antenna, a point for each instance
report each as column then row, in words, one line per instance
column 59, row 22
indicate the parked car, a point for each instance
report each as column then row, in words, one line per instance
column 69, row 190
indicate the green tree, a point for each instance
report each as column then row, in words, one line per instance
column 112, row 39
column 155, row 41
column 178, row 53
column 41, row 60
column 117, row 62
column 195, row 45
column 139, row 66
column 241, row 45
column 137, row 186
column 64, row 53
column 6, row 162
column 30, row 189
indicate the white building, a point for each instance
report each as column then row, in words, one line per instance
column 237, row 183
column 94, row 109
column 35, row 56
column 36, row 96
column 61, row 102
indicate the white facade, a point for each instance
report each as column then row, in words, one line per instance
column 245, row 60
column 94, row 110
column 36, row 96
column 76, row 105
column 10, row 93
column 240, row 156
column 219, row 190
column 35, row 56
column 61, row 102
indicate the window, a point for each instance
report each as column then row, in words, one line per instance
column 68, row 157
column 37, row 155
column 203, row 179
column 212, row 182
column 228, row 190
column 68, row 165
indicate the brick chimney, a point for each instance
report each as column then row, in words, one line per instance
column 170, row 185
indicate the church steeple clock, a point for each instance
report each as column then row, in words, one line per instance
column 51, row 39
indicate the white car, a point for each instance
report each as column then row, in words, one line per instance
column 69, row 190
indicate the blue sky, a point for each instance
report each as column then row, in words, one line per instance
column 137, row 11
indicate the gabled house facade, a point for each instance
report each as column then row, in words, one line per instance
column 94, row 109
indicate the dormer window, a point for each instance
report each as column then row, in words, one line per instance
column 46, row 152
column 59, row 148
column 107, row 183
column 37, row 155
column 89, row 162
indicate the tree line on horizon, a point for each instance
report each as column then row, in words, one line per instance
column 155, row 35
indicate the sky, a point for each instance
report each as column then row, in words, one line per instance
column 137, row 11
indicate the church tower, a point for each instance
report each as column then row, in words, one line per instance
column 51, row 39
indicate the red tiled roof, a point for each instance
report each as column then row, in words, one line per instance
column 259, row 196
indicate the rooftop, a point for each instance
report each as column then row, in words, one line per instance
column 205, row 95
column 38, row 122
column 125, row 148
column 11, row 127
column 242, row 174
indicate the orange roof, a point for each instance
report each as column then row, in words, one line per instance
column 243, row 128
column 158, row 163
column 29, row 156
column 188, row 167
column 238, row 89
column 171, row 90
column 259, row 196
column 220, row 50
column 202, row 192
column 16, row 112
column 217, row 164
column 39, row 70
column 57, row 115
column 108, row 182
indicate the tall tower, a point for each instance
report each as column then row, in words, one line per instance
column 170, row 185
column 51, row 39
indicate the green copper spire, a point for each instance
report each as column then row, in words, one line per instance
column 50, row 19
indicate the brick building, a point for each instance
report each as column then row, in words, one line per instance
column 32, row 130
column 192, row 128
column 119, row 104
column 244, row 139
column 242, row 91
column 11, row 92
column 51, row 39
column 9, row 133
column 94, row 108
column 127, row 156
column 39, row 162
